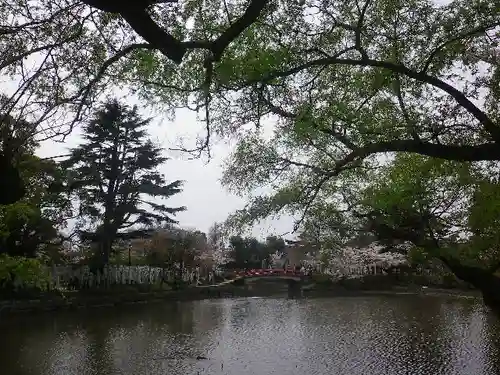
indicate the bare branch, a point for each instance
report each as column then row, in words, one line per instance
column 6, row 30
column 313, row 168
column 315, row 191
column 25, row 54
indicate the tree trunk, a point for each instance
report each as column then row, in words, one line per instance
column 482, row 279
column 107, row 234
column 105, row 245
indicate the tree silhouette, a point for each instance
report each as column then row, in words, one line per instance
column 113, row 172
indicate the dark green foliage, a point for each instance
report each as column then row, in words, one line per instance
column 11, row 188
column 275, row 244
column 21, row 276
column 30, row 223
column 248, row 252
column 15, row 139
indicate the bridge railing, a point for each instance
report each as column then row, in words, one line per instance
column 269, row 272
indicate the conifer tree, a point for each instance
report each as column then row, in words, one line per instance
column 114, row 175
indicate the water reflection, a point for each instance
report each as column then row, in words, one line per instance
column 352, row 336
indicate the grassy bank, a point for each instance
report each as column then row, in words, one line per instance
column 390, row 282
column 395, row 291
column 107, row 298
column 388, row 285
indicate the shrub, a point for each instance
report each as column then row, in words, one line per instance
column 324, row 280
column 23, row 273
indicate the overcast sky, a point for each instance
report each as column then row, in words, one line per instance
column 203, row 195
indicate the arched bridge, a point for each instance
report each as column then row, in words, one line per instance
column 255, row 274
column 268, row 274
column 294, row 279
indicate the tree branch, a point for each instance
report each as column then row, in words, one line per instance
column 12, row 29
column 488, row 124
column 487, row 151
column 478, row 30
column 359, row 27
column 409, row 123
column 313, row 168
column 248, row 18
column 85, row 91
column 315, row 191
column 135, row 13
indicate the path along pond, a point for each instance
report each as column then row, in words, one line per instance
column 344, row 335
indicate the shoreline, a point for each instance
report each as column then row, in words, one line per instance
column 102, row 298
column 77, row 300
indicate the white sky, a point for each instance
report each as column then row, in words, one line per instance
column 207, row 201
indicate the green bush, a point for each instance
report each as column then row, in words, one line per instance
column 23, row 273
column 320, row 279
column 367, row 282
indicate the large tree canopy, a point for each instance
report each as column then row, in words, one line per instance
column 63, row 55
column 447, row 210
column 342, row 81
column 368, row 76
column 355, row 80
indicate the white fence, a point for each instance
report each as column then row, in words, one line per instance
column 113, row 275
column 357, row 271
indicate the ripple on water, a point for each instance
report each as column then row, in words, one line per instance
column 347, row 336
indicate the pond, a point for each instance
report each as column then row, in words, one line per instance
column 345, row 335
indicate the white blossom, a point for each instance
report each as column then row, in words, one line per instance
column 347, row 258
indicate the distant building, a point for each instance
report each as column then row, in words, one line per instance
column 296, row 253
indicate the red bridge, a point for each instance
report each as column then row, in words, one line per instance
column 271, row 273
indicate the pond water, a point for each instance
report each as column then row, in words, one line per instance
column 345, row 335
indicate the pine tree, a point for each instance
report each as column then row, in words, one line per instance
column 114, row 172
